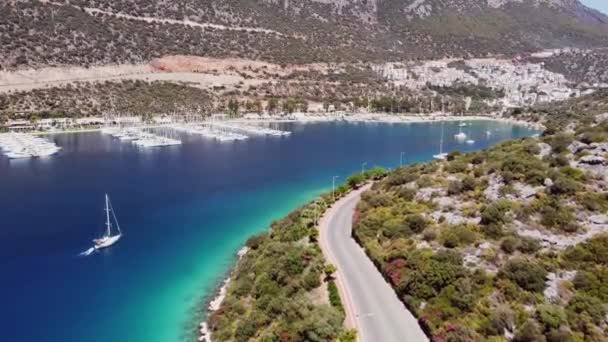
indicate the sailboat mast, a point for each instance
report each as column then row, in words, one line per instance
column 107, row 216
column 441, row 140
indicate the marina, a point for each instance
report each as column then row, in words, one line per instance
column 140, row 137
column 209, row 131
column 22, row 145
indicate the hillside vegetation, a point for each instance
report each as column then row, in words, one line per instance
column 505, row 244
column 89, row 32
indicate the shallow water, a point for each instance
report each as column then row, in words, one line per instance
column 184, row 210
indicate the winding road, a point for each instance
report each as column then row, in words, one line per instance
column 371, row 305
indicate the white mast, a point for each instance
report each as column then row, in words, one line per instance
column 441, row 140
column 107, row 216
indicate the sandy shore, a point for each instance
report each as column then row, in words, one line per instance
column 204, row 335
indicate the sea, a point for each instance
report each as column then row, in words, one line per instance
column 184, row 212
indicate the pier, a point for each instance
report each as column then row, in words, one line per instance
column 22, row 145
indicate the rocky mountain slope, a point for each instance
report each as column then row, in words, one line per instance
column 505, row 244
column 89, row 32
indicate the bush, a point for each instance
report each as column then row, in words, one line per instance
column 529, row 332
column 416, row 223
column 454, row 188
column 509, row 244
column 468, row 183
column 457, row 166
column 528, row 245
column 334, row 296
column 559, row 142
column 551, row 316
column 584, row 303
column 564, row 186
column 494, row 213
column 406, row 193
column 528, row 275
column 554, row 215
column 456, row 236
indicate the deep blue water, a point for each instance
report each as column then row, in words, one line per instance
column 184, row 210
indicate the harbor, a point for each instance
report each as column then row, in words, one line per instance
column 140, row 137
column 23, row 145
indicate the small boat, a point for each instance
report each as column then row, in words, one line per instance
column 462, row 124
column 470, row 142
column 441, row 155
column 108, row 239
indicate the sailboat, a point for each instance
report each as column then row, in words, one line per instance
column 441, row 155
column 108, row 239
column 470, row 141
column 461, row 136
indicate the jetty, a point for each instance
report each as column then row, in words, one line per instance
column 22, row 145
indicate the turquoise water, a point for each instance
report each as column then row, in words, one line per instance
column 185, row 211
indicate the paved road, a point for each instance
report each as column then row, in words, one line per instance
column 377, row 313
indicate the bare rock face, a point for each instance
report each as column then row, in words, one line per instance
column 494, row 184
column 599, row 219
column 592, row 160
column 545, row 150
column 577, row 146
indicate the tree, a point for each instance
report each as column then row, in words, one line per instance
column 329, row 270
column 272, row 105
column 233, row 108
column 355, row 179
column 528, row 275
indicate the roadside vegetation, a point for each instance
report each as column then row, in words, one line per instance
column 282, row 289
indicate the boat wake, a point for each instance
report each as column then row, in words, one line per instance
column 88, row 252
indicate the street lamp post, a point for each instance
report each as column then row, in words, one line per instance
column 333, row 187
column 401, row 159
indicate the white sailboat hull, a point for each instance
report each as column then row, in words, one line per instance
column 106, row 241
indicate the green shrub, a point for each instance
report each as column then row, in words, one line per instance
column 457, row 236
column 406, row 193
column 529, row 332
column 468, row 183
column 334, row 296
column 457, row 166
column 509, row 244
column 454, row 188
column 551, row 316
column 528, row 245
column 559, row 142
column 585, row 304
column 416, row 223
column 528, row 275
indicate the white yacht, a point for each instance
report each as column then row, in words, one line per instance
column 108, row 239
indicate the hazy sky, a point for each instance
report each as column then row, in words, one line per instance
column 601, row 5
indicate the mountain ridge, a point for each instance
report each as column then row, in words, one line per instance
column 94, row 32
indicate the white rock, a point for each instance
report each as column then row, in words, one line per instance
column 592, row 160
column 577, row 146
column 599, row 219
column 545, row 150
column 548, row 182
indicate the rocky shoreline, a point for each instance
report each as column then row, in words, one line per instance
column 204, row 335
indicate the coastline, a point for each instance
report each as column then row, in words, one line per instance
column 304, row 118
column 213, row 303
